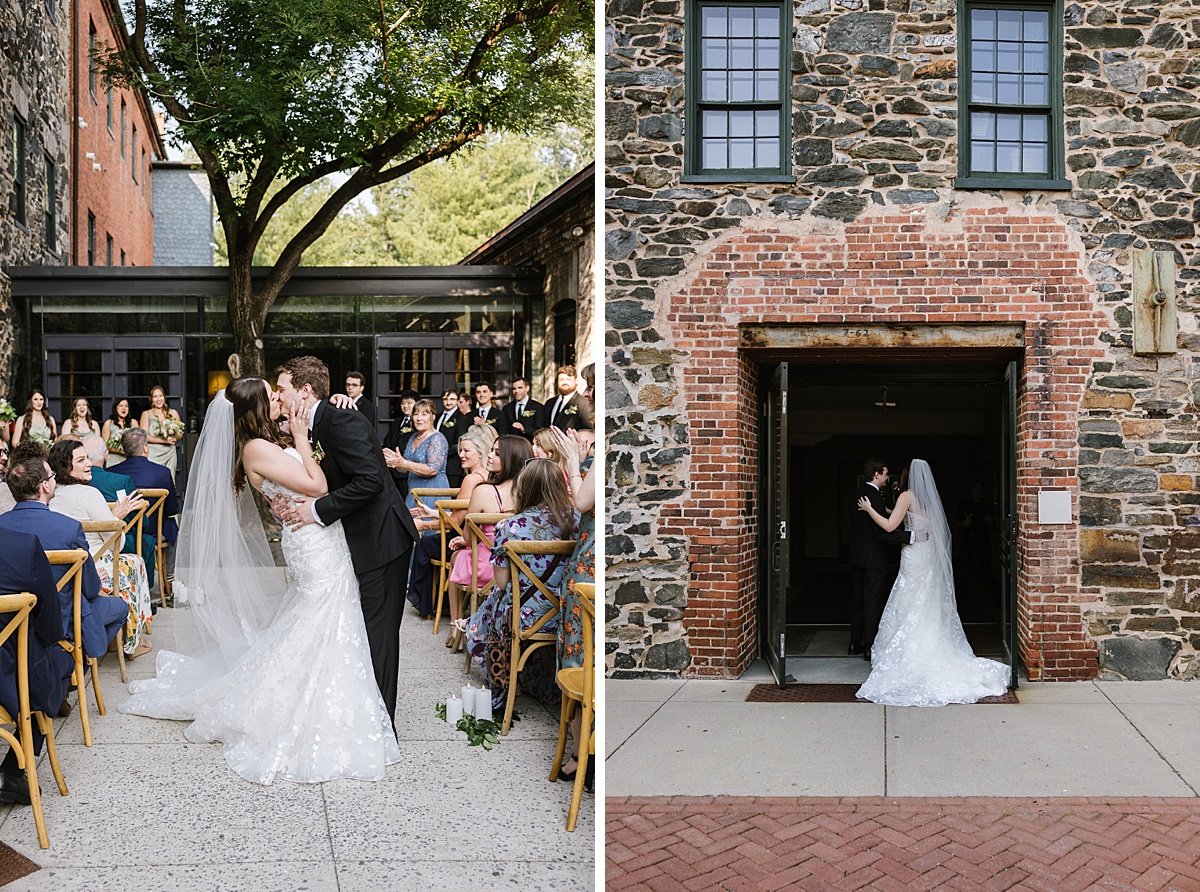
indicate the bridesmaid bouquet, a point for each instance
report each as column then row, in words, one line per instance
column 114, row 441
column 7, row 412
column 166, row 428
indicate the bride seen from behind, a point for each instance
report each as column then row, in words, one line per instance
column 283, row 676
column 921, row 656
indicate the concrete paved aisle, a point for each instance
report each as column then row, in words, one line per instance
column 150, row 811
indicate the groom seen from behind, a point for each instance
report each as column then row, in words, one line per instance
column 379, row 530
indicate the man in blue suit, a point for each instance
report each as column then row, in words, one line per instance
column 145, row 474
column 109, row 485
column 24, row 568
column 32, row 484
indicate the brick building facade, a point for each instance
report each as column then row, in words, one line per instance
column 843, row 225
column 33, row 152
column 116, row 142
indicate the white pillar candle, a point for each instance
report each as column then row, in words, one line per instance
column 454, row 709
column 468, row 699
column 483, row 704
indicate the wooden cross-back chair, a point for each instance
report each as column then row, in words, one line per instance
column 526, row 641
column 76, row 559
column 448, row 528
column 578, row 686
column 156, row 501
column 116, row 530
column 19, row 606
column 477, row 590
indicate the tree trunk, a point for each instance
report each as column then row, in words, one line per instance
column 247, row 319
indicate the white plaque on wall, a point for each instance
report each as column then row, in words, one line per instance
column 1054, row 506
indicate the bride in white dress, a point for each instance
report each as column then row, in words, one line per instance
column 921, row 656
column 283, row 675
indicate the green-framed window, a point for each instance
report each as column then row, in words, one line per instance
column 738, row 63
column 1010, row 95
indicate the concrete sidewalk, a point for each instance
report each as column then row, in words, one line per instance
column 148, row 810
column 700, row 738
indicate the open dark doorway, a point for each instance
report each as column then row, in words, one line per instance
column 837, row 415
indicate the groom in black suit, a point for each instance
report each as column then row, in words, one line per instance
column 379, row 529
column 870, row 548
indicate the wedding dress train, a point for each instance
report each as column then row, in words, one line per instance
column 301, row 703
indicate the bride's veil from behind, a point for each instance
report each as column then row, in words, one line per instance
column 924, row 490
column 223, row 570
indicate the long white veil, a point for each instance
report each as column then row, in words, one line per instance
column 929, row 504
column 223, row 571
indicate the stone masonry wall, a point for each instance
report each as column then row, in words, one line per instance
column 33, row 84
column 874, row 102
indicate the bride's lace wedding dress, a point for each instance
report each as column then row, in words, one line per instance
column 301, row 703
column 921, row 656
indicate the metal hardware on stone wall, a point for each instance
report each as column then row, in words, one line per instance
column 1155, row 326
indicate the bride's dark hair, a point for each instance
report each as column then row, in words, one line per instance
column 251, row 421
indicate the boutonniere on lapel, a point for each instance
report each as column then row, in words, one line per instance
column 318, row 452
column 528, row 413
column 571, row 410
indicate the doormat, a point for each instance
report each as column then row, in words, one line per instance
column 14, row 865
column 830, row 693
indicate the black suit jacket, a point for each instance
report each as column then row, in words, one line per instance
column 399, row 433
column 494, row 419
column 367, row 408
column 575, row 414
column 530, row 417
column 870, row 546
column 452, row 428
column 24, row 568
column 378, row 527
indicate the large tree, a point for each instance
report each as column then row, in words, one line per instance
column 274, row 95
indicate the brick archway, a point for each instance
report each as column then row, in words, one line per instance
column 988, row 265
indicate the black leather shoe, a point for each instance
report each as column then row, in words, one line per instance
column 64, row 708
column 14, row 789
column 867, row 656
column 854, row 650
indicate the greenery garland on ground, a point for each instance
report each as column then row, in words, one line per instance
column 480, row 732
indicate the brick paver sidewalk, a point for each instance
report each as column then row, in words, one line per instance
column 700, row 843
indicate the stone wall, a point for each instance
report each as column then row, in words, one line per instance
column 33, row 84
column 874, row 101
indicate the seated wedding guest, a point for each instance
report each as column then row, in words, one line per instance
column 472, row 447
column 569, row 409
column 546, row 446
column 503, row 464
column 115, row 426
column 543, row 512
column 424, row 455
column 74, row 498
column 24, row 568
column 110, row 485
column 521, row 414
column 37, row 421
column 581, row 567
column 398, row 435
column 80, row 421
column 163, row 428
column 31, row 448
column 356, row 389
column 145, row 474
column 33, row 485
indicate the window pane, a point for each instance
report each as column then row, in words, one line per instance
column 1008, row 157
column 1037, row 89
column 983, row 56
column 1008, row 24
column 714, row 86
column 983, row 24
column 715, row 55
column 741, row 153
column 741, row 21
column 714, row 123
column 766, row 54
column 715, row 156
column 1008, row 57
column 1037, row 25
column 766, row 153
column 983, row 88
column 766, row 21
column 1008, row 127
column 741, row 54
column 1037, row 58
column 983, row 125
column 1035, row 158
column 983, row 156
column 1037, row 128
column 741, row 123
column 767, row 86
column 741, row 86
column 1008, row 89
column 766, row 123
column 713, row 21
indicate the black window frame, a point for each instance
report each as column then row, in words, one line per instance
column 92, row 60
column 124, row 120
column 18, row 169
column 51, row 209
column 133, row 155
column 1055, row 178
column 693, row 169
column 108, row 249
column 91, row 239
column 108, row 109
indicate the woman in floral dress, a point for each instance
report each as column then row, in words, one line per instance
column 165, row 429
